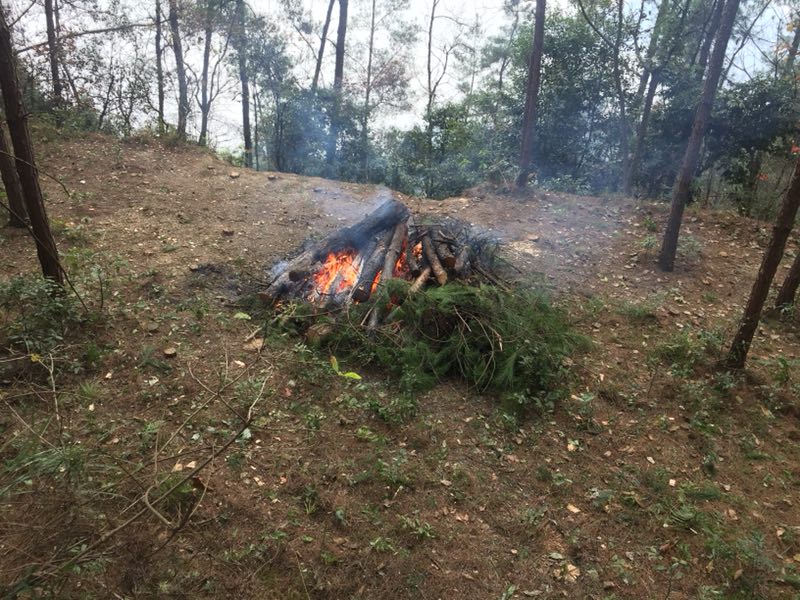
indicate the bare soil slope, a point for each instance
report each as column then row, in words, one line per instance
column 658, row 478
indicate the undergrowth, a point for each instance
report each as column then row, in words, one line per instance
column 513, row 343
column 36, row 313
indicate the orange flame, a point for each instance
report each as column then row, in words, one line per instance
column 338, row 273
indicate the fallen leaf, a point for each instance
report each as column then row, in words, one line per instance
column 573, row 509
column 255, row 345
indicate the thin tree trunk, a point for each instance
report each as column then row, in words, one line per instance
column 323, row 40
column 8, row 171
column 52, row 54
column 180, row 69
column 256, row 115
column 647, row 70
column 532, row 96
column 160, row 68
column 794, row 47
column 683, row 182
column 245, row 82
column 367, row 92
column 705, row 49
column 645, row 109
column 17, row 119
column 624, row 130
column 769, row 265
column 338, row 82
column 641, row 132
column 429, row 106
column 205, row 104
column 788, row 291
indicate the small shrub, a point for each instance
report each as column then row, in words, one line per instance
column 37, row 313
column 685, row 351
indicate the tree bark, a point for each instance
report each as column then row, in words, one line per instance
column 705, row 49
column 52, row 54
column 338, row 82
column 532, row 96
column 8, row 171
column 788, row 291
column 769, row 265
column 244, row 79
column 160, row 68
column 205, row 104
column 683, row 181
column 180, row 69
column 17, row 119
column 323, row 40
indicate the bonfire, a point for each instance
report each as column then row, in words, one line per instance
column 351, row 264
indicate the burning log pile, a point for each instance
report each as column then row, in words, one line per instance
column 349, row 265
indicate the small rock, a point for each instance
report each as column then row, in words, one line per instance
column 234, row 174
column 272, row 177
column 228, row 232
column 151, row 327
column 170, row 352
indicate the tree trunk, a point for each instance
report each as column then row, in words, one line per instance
column 8, row 171
column 641, row 132
column 769, row 265
column 683, row 182
column 654, row 75
column 788, row 291
column 17, row 119
column 624, row 130
column 367, row 93
column 338, row 82
column 652, row 47
column 160, row 68
column 205, row 104
column 323, row 40
column 532, row 96
column 705, row 49
column 180, row 69
column 794, row 47
column 52, row 54
column 245, row 82
column 256, row 115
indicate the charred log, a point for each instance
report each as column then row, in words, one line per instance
column 372, row 266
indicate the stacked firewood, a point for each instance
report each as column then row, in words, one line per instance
column 349, row 264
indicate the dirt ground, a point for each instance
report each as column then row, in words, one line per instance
column 651, row 482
